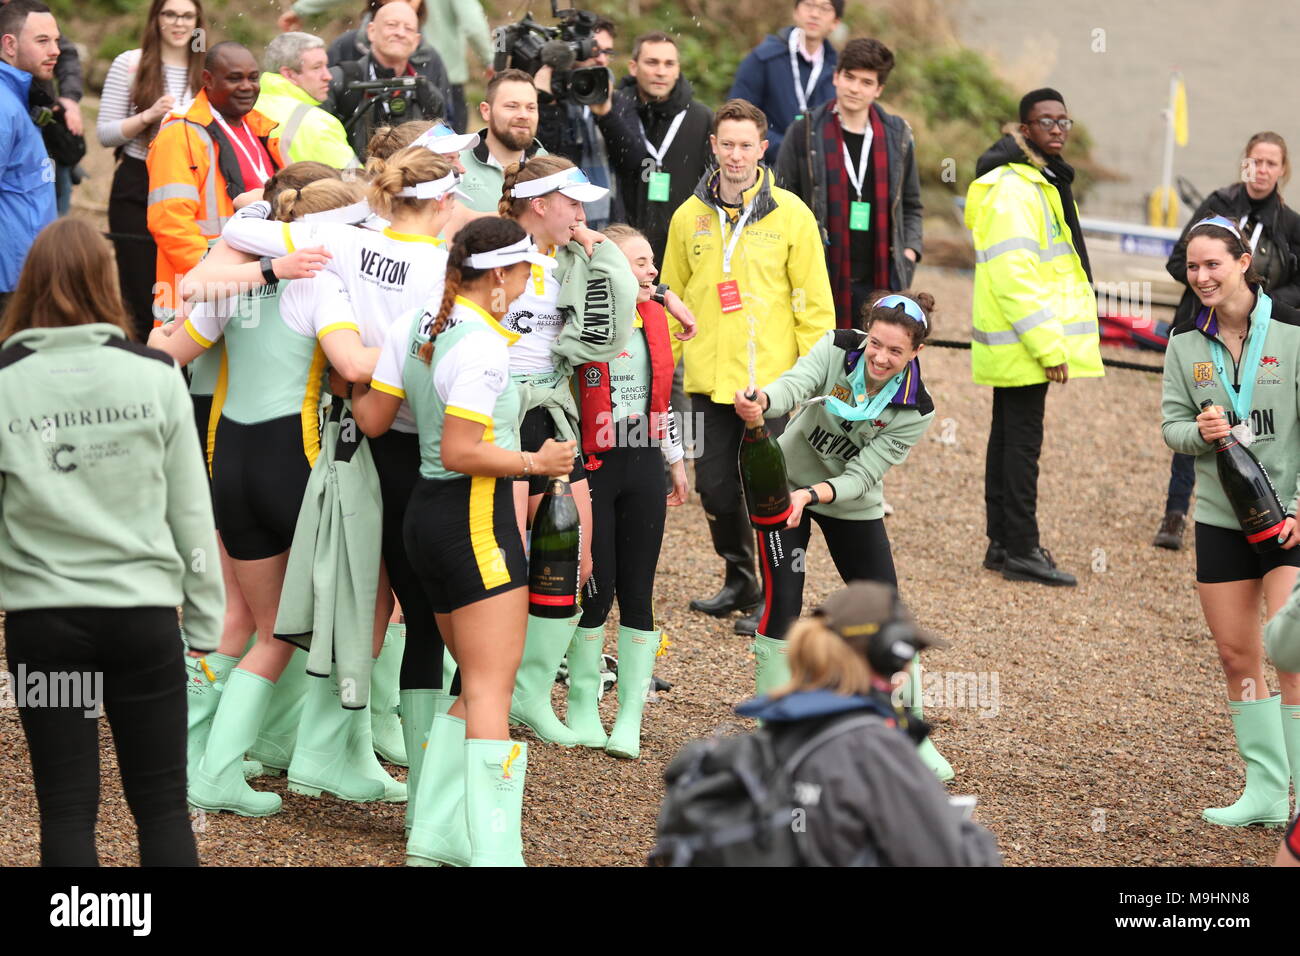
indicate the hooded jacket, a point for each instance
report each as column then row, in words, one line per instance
column 780, row 273
column 194, row 177
column 26, row 177
column 306, row 131
column 1033, row 306
column 867, row 787
column 90, row 420
column 766, row 80
column 688, row 158
column 801, row 168
column 1276, row 252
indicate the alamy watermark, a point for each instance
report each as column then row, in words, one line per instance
column 62, row 689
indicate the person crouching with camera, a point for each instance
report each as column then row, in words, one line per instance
column 869, row 799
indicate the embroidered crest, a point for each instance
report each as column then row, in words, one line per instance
column 592, row 377
column 840, row 392
column 1270, row 369
column 703, row 225
column 1202, row 374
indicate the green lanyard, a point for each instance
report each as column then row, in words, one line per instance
column 857, row 381
column 1240, row 399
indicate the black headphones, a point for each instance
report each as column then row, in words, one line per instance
column 894, row 645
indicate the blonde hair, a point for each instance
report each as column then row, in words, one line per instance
column 387, row 140
column 535, row 168
column 621, row 232
column 1274, row 139
column 406, row 167
column 820, row 659
column 318, row 196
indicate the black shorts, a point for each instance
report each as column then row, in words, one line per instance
column 462, row 537
column 536, row 427
column 1223, row 554
column 259, row 474
column 202, row 410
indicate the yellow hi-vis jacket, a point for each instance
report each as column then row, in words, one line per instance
column 307, row 132
column 1034, row 307
column 780, row 271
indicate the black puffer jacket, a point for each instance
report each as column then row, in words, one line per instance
column 686, row 162
column 1275, row 254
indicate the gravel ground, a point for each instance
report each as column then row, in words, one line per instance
column 1098, row 734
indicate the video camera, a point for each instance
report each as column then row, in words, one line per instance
column 395, row 100
column 529, row 46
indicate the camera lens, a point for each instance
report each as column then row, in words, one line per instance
column 397, row 105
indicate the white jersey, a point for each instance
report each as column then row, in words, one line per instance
column 385, row 273
column 311, row 307
column 538, row 322
column 387, row 376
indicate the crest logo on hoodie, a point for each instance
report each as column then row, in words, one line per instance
column 58, row 456
column 1270, row 369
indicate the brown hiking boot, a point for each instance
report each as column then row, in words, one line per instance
column 1170, row 534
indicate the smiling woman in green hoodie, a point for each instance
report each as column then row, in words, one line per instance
column 92, row 571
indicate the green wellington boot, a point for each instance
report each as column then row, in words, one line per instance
column 417, row 709
column 530, row 705
column 323, row 755
column 204, row 679
column 1291, row 736
column 636, row 664
column 1262, row 746
column 494, row 801
column 274, row 746
column 218, row 782
column 438, row 832
column 771, row 669
column 385, row 725
column 361, row 750
column 926, row 750
column 583, row 713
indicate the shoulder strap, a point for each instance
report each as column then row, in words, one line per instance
column 13, row 354
column 828, row 734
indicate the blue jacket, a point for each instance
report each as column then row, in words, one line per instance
column 26, row 176
column 764, row 78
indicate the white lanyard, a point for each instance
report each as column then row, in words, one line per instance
column 658, row 154
column 253, row 160
column 796, row 40
column 1254, row 237
column 735, row 234
column 861, row 177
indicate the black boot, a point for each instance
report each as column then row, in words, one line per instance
column 995, row 558
column 748, row 624
column 1170, row 534
column 1037, row 566
column 733, row 540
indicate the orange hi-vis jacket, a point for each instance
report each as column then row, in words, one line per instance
column 194, row 177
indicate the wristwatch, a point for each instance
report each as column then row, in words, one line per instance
column 816, row 499
column 660, row 293
column 268, row 271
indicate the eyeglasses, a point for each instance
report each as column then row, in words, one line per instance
column 171, row 16
column 605, row 51
column 815, row 7
column 1045, row 123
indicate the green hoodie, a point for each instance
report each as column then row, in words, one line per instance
column 1190, row 378
column 102, row 491
column 852, row 456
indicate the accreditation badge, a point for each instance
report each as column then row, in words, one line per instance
column 729, row 295
column 658, row 187
column 859, row 216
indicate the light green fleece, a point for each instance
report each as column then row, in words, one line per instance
column 818, row 446
column 1190, row 378
column 103, row 499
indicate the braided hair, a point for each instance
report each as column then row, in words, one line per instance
column 480, row 235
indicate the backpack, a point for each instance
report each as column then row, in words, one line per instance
column 731, row 802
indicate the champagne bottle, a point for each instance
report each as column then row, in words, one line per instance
column 1250, row 492
column 553, row 553
column 762, row 472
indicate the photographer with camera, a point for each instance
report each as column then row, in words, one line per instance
column 29, row 50
column 390, row 84
column 572, row 122
column 509, row 109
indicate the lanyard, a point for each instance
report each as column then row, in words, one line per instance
column 735, row 234
column 254, row 160
column 658, row 154
column 860, row 178
column 796, row 40
column 1254, row 237
column 1240, row 399
column 857, row 381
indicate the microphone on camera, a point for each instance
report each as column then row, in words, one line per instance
column 557, row 54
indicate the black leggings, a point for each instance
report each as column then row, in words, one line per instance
column 628, row 504
column 860, row 550
column 397, row 459
column 137, row 255
column 137, row 653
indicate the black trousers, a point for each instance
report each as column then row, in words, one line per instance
column 137, row 651
column 628, row 506
column 1011, row 467
column 860, row 550
column 717, row 473
column 1182, row 480
column 457, row 111
column 397, row 460
column 137, row 254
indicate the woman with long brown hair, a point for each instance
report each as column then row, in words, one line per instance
column 141, row 88
column 94, row 570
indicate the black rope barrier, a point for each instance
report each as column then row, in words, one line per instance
column 1109, row 363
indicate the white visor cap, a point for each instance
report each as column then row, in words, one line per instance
column 444, row 140
column 572, row 182
column 522, row 251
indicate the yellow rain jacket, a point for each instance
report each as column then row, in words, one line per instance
column 1034, row 307
column 780, row 270
column 306, row 132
